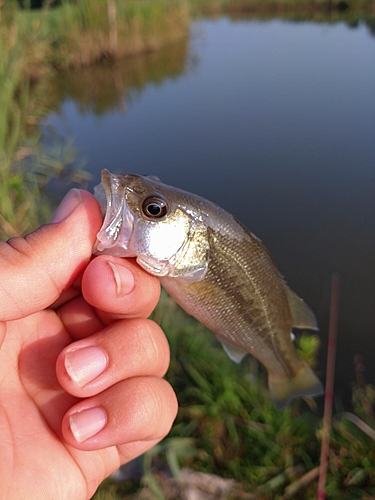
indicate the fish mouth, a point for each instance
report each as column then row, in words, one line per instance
column 118, row 223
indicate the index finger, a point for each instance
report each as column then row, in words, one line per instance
column 118, row 288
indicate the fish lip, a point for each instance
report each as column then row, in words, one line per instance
column 118, row 223
column 115, row 234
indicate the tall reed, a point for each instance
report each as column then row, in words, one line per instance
column 80, row 33
column 25, row 166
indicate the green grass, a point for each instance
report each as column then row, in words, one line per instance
column 33, row 45
column 228, row 426
column 79, row 34
column 25, row 165
column 226, row 408
column 18, row 198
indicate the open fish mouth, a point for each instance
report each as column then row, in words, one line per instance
column 118, row 223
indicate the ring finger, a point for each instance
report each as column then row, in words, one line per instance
column 140, row 409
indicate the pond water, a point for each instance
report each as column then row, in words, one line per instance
column 274, row 121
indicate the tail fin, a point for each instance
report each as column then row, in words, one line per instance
column 304, row 383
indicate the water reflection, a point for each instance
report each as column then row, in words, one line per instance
column 102, row 88
column 276, row 123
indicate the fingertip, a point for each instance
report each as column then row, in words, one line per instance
column 71, row 201
column 120, row 287
column 93, row 210
column 86, row 424
column 137, row 409
column 125, row 349
column 71, row 208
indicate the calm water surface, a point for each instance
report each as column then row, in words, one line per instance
column 274, row 121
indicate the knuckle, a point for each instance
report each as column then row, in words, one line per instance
column 156, row 346
column 160, row 408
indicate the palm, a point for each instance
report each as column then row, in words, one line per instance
column 33, row 405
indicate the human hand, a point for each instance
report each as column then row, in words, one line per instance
column 81, row 388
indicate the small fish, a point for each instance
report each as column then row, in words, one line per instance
column 216, row 269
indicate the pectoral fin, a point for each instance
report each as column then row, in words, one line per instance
column 302, row 315
column 190, row 263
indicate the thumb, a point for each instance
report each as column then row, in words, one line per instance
column 35, row 270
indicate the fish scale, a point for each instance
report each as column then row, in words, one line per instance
column 228, row 303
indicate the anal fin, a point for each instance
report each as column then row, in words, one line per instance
column 235, row 353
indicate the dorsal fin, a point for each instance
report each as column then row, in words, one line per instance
column 302, row 315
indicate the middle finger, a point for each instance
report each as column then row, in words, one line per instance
column 127, row 348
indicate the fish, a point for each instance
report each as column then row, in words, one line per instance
column 215, row 269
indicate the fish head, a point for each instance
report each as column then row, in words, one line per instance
column 157, row 224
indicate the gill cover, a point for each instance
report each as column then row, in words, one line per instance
column 142, row 222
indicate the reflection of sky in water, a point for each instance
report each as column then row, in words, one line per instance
column 275, row 122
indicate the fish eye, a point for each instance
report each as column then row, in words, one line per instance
column 154, row 207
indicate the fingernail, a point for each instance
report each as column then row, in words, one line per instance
column 67, row 206
column 84, row 365
column 124, row 279
column 86, row 423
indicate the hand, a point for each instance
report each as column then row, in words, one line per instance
column 81, row 388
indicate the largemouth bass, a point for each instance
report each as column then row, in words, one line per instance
column 217, row 270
